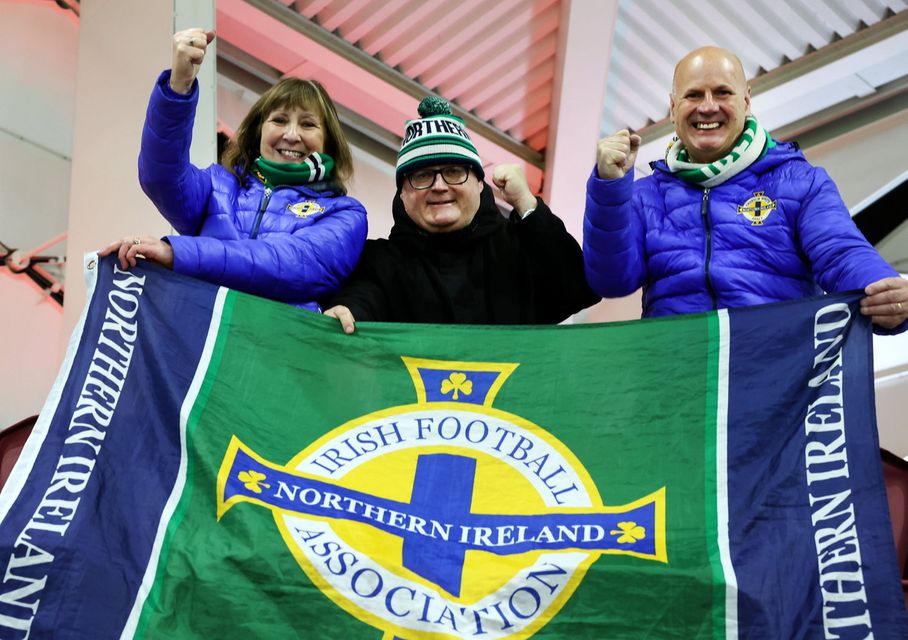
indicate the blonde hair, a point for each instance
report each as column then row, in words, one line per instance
column 289, row 93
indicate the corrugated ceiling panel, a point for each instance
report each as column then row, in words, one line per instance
column 651, row 35
column 497, row 59
column 494, row 59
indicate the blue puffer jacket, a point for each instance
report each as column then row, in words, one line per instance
column 294, row 244
column 695, row 249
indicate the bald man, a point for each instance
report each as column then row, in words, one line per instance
column 730, row 218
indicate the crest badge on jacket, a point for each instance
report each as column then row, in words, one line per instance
column 307, row 208
column 757, row 208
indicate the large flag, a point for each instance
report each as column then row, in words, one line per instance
column 214, row 465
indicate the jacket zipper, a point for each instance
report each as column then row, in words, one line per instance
column 266, row 197
column 704, row 214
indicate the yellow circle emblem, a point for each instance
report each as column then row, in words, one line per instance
column 757, row 208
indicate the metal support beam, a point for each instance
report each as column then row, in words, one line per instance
column 832, row 122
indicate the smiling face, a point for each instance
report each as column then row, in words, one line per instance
column 442, row 207
column 290, row 134
column 709, row 102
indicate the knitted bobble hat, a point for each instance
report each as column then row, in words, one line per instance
column 437, row 137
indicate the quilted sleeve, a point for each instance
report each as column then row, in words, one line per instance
column 179, row 190
column 613, row 235
column 840, row 256
column 309, row 264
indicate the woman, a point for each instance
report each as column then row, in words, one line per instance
column 274, row 219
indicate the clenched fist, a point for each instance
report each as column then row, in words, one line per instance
column 616, row 154
column 512, row 183
column 188, row 51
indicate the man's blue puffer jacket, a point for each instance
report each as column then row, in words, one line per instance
column 695, row 249
column 293, row 244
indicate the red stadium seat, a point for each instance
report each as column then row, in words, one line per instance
column 895, row 474
column 12, row 439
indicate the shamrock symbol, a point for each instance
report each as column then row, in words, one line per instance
column 252, row 480
column 629, row 532
column 458, row 383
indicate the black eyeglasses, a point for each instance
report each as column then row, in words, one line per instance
column 453, row 174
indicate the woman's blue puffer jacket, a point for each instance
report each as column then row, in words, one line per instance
column 293, row 244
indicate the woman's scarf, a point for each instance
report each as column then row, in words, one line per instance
column 315, row 168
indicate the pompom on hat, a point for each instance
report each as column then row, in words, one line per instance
column 437, row 137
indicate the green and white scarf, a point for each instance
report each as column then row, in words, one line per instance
column 316, row 167
column 749, row 148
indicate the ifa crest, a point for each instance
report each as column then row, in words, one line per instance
column 445, row 518
column 305, row 209
column 757, row 208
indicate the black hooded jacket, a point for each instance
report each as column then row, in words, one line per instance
column 494, row 271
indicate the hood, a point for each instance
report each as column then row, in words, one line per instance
column 488, row 219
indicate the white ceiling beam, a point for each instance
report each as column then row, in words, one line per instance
column 858, row 86
column 581, row 71
column 830, row 73
column 848, row 115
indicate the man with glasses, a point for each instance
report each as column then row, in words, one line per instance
column 451, row 257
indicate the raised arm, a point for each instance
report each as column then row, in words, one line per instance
column 179, row 190
column 555, row 259
column 188, row 50
column 613, row 232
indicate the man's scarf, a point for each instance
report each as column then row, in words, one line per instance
column 750, row 147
